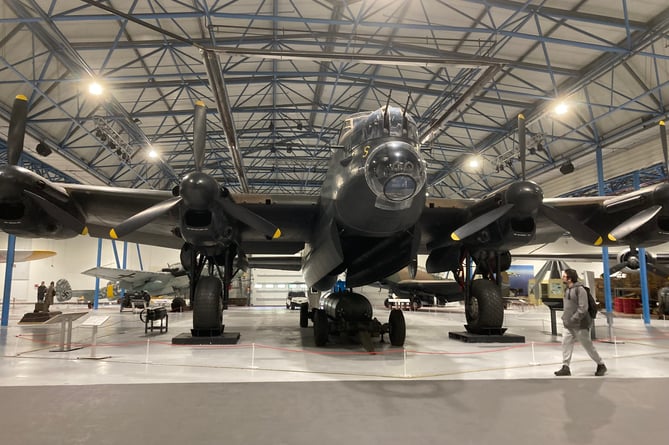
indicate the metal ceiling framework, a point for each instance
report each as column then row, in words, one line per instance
column 287, row 72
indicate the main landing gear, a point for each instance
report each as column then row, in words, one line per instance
column 209, row 295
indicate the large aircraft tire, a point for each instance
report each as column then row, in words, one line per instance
column 485, row 310
column 304, row 315
column 321, row 328
column 397, row 328
column 208, row 307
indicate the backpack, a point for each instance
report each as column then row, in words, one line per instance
column 592, row 304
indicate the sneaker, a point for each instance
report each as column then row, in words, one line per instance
column 601, row 370
column 563, row 371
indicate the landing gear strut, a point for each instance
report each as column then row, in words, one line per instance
column 209, row 296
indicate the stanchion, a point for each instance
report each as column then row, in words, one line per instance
column 533, row 362
column 146, row 358
column 253, row 356
column 611, row 338
column 404, row 365
column 615, row 348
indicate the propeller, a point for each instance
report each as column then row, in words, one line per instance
column 577, row 229
column 663, row 140
column 253, row 220
column 412, row 267
column 198, row 190
column 480, row 222
column 17, row 129
column 630, row 260
column 199, row 133
column 522, row 145
column 523, row 195
column 15, row 140
column 634, row 222
column 144, row 217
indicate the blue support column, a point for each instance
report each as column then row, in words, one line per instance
column 125, row 263
column 645, row 300
column 118, row 263
column 97, row 279
column 643, row 271
column 607, row 281
column 9, row 269
column 605, row 250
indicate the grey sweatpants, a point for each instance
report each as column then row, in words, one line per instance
column 569, row 337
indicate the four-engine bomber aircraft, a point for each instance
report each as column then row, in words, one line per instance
column 371, row 219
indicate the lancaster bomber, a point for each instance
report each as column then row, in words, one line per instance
column 372, row 218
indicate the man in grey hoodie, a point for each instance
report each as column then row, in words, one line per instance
column 577, row 324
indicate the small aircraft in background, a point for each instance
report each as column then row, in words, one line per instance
column 27, row 255
column 169, row 281
column 625, row 260
column 421, row 287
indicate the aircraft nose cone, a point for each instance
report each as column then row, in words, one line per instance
column 526, row 196
column 199, row 190
column 395, row 171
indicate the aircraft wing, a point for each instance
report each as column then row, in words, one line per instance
column 26, row 255
column 131, row 276
column 154, row 283
column 107, row 207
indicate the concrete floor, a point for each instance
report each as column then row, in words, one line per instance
column 433, row 388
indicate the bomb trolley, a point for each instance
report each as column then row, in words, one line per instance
column 150, row 315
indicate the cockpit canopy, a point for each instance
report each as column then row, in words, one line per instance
column 362, row 127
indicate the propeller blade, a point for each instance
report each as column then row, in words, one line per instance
column 251, row 219
column 412, row 267
column 617, row 267
column 57, row 213
column 480, row 222
column 663, row 140
column 522, row 144
column 658, row 270
column 17, row 129
column 144, row 217
column 633, row 223
column 199, row 134
column 577, row 229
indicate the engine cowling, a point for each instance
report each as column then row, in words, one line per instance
column 32, row 207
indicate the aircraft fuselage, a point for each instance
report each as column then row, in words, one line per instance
column 375, row 185
column 371, row 200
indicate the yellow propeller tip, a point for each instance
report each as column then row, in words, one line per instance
column 455, row 237
column 599, row 241
column 521, row 116
column 276, row 234
column 85, row 231
column 199, row 103
column 612, row 238
column 113, row 234
column 662, row 123
column 21, row 97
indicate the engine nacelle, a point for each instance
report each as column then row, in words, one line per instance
column 30, row 206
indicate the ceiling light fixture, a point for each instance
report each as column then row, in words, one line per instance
column 95, row 89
